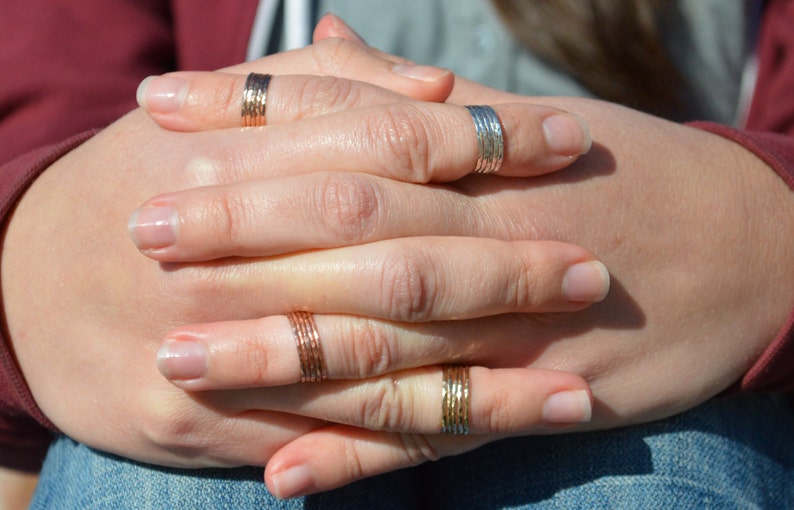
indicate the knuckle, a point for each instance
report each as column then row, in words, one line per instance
column 496, row 415
column 255, row 360
column 231, row 162
column 418, row 449
column 332, row 55
column 170, row 427
column 372, row 350
column 194, row 288
column 229, row 213
column 349, row 205
column 409, row 286
column 325, row 94
column 229, row 98
column 354, row 464
column 384, row 409
column 401, row 133
column 203, row 170
column 524, row 287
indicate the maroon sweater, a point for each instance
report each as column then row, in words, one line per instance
column 51, row 72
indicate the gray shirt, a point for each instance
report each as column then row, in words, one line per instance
column 707, row 39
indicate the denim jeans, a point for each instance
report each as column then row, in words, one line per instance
column 729, row 453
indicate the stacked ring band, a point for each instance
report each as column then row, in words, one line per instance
column 255, row 99
column 307, row 339
column 490, row 140
column 455, row 401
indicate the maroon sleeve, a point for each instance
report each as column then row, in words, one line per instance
column 774, row 370
column 769, row 134
column 68, row 68
column 772, row 109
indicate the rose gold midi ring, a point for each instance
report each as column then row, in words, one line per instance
column 255, row 99
column 455, row 400
column 307, row 339
column 490, row 139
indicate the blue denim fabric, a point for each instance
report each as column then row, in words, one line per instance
column 735, row 453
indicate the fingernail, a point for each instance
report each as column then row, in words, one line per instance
column 292, row 482
column 566, row 135
column 568, row 407
column 586, row 282
column 427, row 74
column 154, row 227
column 182, row 359
column 345, row 30
column 162, row 94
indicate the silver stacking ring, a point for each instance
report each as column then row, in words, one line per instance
column 255, row 99
column 490, row 140
column 455, row 400
column 307, row 339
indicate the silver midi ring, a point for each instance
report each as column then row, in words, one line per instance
column 490, row 140
column 255, row 99
column 307, row 339
column 455, row 400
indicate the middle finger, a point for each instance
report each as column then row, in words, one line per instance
column 411, row 279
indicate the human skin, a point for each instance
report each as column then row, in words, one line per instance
column 85, row 311
column 609, row 348
column 16, row 489
column 692, row 226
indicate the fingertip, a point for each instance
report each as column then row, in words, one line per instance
column 291, row 482
column 569, row 406
column 162, row 94
column 331, row 25
column 153, row 227
column 586, row 282
column 140, row 93
column 567, row 135
column 182, row 359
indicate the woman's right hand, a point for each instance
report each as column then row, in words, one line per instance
column 86, row 312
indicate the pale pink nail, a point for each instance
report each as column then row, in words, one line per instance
column 162, row 94
column 181, row 359
column 586, row 282
column 566, row 135
column 427, row 74
column 292, row 482
column 568, row 407
column 154, row 227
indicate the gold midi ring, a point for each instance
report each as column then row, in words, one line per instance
column 455, row 400
column 307, row 340
column 255, row 99
column 490, row 140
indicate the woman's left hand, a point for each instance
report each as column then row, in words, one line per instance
column 698, row 256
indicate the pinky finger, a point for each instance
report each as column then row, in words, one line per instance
column 334, row 456
column 338, row 455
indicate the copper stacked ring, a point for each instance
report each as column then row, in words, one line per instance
column 307, row 339
column 455, row 400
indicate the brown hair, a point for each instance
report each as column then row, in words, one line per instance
column 612, row 47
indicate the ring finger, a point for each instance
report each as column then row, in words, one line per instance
column 414, row 401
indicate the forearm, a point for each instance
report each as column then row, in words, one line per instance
column 16, row 489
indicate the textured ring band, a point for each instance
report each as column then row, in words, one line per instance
column 490, row 139
column 307, row 340
column 455, row 400
column 255, row 99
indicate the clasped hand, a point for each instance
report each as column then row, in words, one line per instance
column 327, row 210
